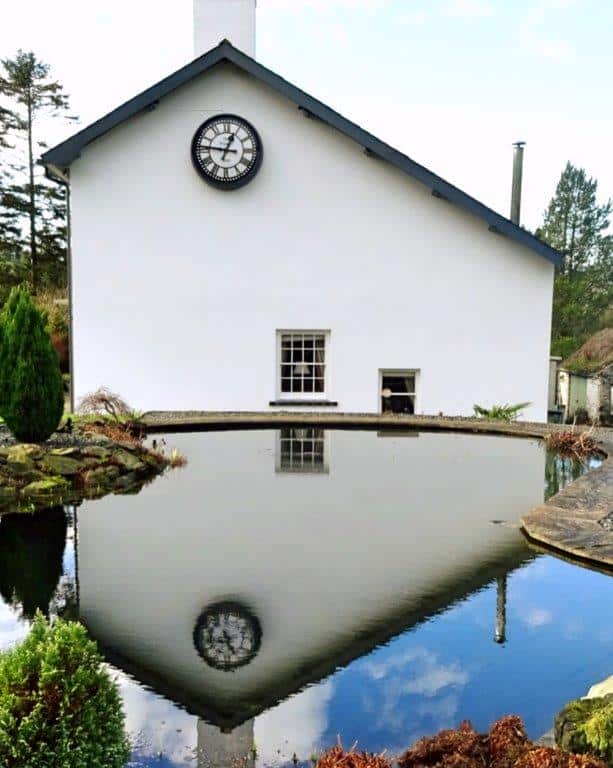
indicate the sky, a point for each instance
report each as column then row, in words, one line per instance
column 451, row 83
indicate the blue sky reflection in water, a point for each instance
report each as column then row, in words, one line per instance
column 436, row 663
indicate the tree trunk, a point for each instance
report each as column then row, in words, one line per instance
column 32, row 195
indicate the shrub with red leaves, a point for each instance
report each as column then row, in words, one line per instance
column 505, row 746
column 463, row 748
column 507, row 740
column 338, row 758
column 548, row 757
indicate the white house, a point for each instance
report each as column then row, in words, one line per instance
column 238, row 245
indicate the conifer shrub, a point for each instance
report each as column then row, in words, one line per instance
column 8, row 311
column 58, row 704
column 31, row 387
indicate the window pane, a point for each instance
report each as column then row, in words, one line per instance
column 302, row 363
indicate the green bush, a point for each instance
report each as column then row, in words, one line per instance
column 586, row 725
column 31, row 388
column 8, row 311
column 58, row 704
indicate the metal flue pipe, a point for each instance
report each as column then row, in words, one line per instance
column 518, row 167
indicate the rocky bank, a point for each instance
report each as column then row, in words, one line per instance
column 70, row 468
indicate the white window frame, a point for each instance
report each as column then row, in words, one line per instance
column 300, row 468
column 415, row 372
column 298, row 396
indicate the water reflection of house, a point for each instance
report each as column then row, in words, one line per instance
column 229, row 596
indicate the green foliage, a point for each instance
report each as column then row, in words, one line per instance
column 564, row 346
column 13, row 272
column 583, row 366
column 8, row 312
column 33, row 210
column 500, row 412
column 586, row 725
column 55, row 305
column 577, row 225
column 58, row 704
column 31, row 387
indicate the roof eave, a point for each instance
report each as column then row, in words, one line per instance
column 65, row 153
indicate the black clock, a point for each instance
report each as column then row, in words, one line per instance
column 227, row 151
column 227, row 636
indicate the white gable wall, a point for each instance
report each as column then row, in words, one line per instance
column 179, row 288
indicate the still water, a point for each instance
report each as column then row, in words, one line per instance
column 289, row 587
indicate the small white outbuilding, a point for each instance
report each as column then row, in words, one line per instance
column 238, row 245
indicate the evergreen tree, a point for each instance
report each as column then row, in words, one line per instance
column 576, row 225
column 32, row 397
column 574, row 222
column 38, row 205
column 9, row 228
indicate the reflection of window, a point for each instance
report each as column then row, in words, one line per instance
column 301, row 450
column 303, row 363
column 398, row 392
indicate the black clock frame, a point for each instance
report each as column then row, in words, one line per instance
column 229, row 185
column 228, row 606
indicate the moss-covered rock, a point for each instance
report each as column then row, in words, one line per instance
column 127, row 460
column 59, row 464
column 24, row 453
column 97, row 452
column 586, row 726
column 49, row 487
column 8, row 493
column 93, row 466
column 101, row 475
column 69, row 451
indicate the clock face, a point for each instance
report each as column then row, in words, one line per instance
column 227, row 151
column 227, row 636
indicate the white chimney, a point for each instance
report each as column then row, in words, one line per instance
column 216, row 20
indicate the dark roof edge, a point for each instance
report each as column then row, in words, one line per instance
column 65, row 153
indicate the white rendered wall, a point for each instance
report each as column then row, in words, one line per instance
column 179, row 288
column 216, row 20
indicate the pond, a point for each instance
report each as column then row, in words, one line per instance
column 292, row 586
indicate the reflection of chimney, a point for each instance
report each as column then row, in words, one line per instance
column 216, row 20
column 518, row 167
column 217, row 749
column 501, row 610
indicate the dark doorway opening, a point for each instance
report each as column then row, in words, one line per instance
column 398, row 393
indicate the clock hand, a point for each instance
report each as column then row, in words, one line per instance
column 219, row 149
column 228, row 145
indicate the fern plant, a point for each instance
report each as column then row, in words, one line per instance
column 500, row 412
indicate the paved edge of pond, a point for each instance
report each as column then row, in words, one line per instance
column 176, row 421
column 570, row 522
column 567, row 523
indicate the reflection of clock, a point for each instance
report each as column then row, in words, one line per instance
column 227, row 151
column 227, row 635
